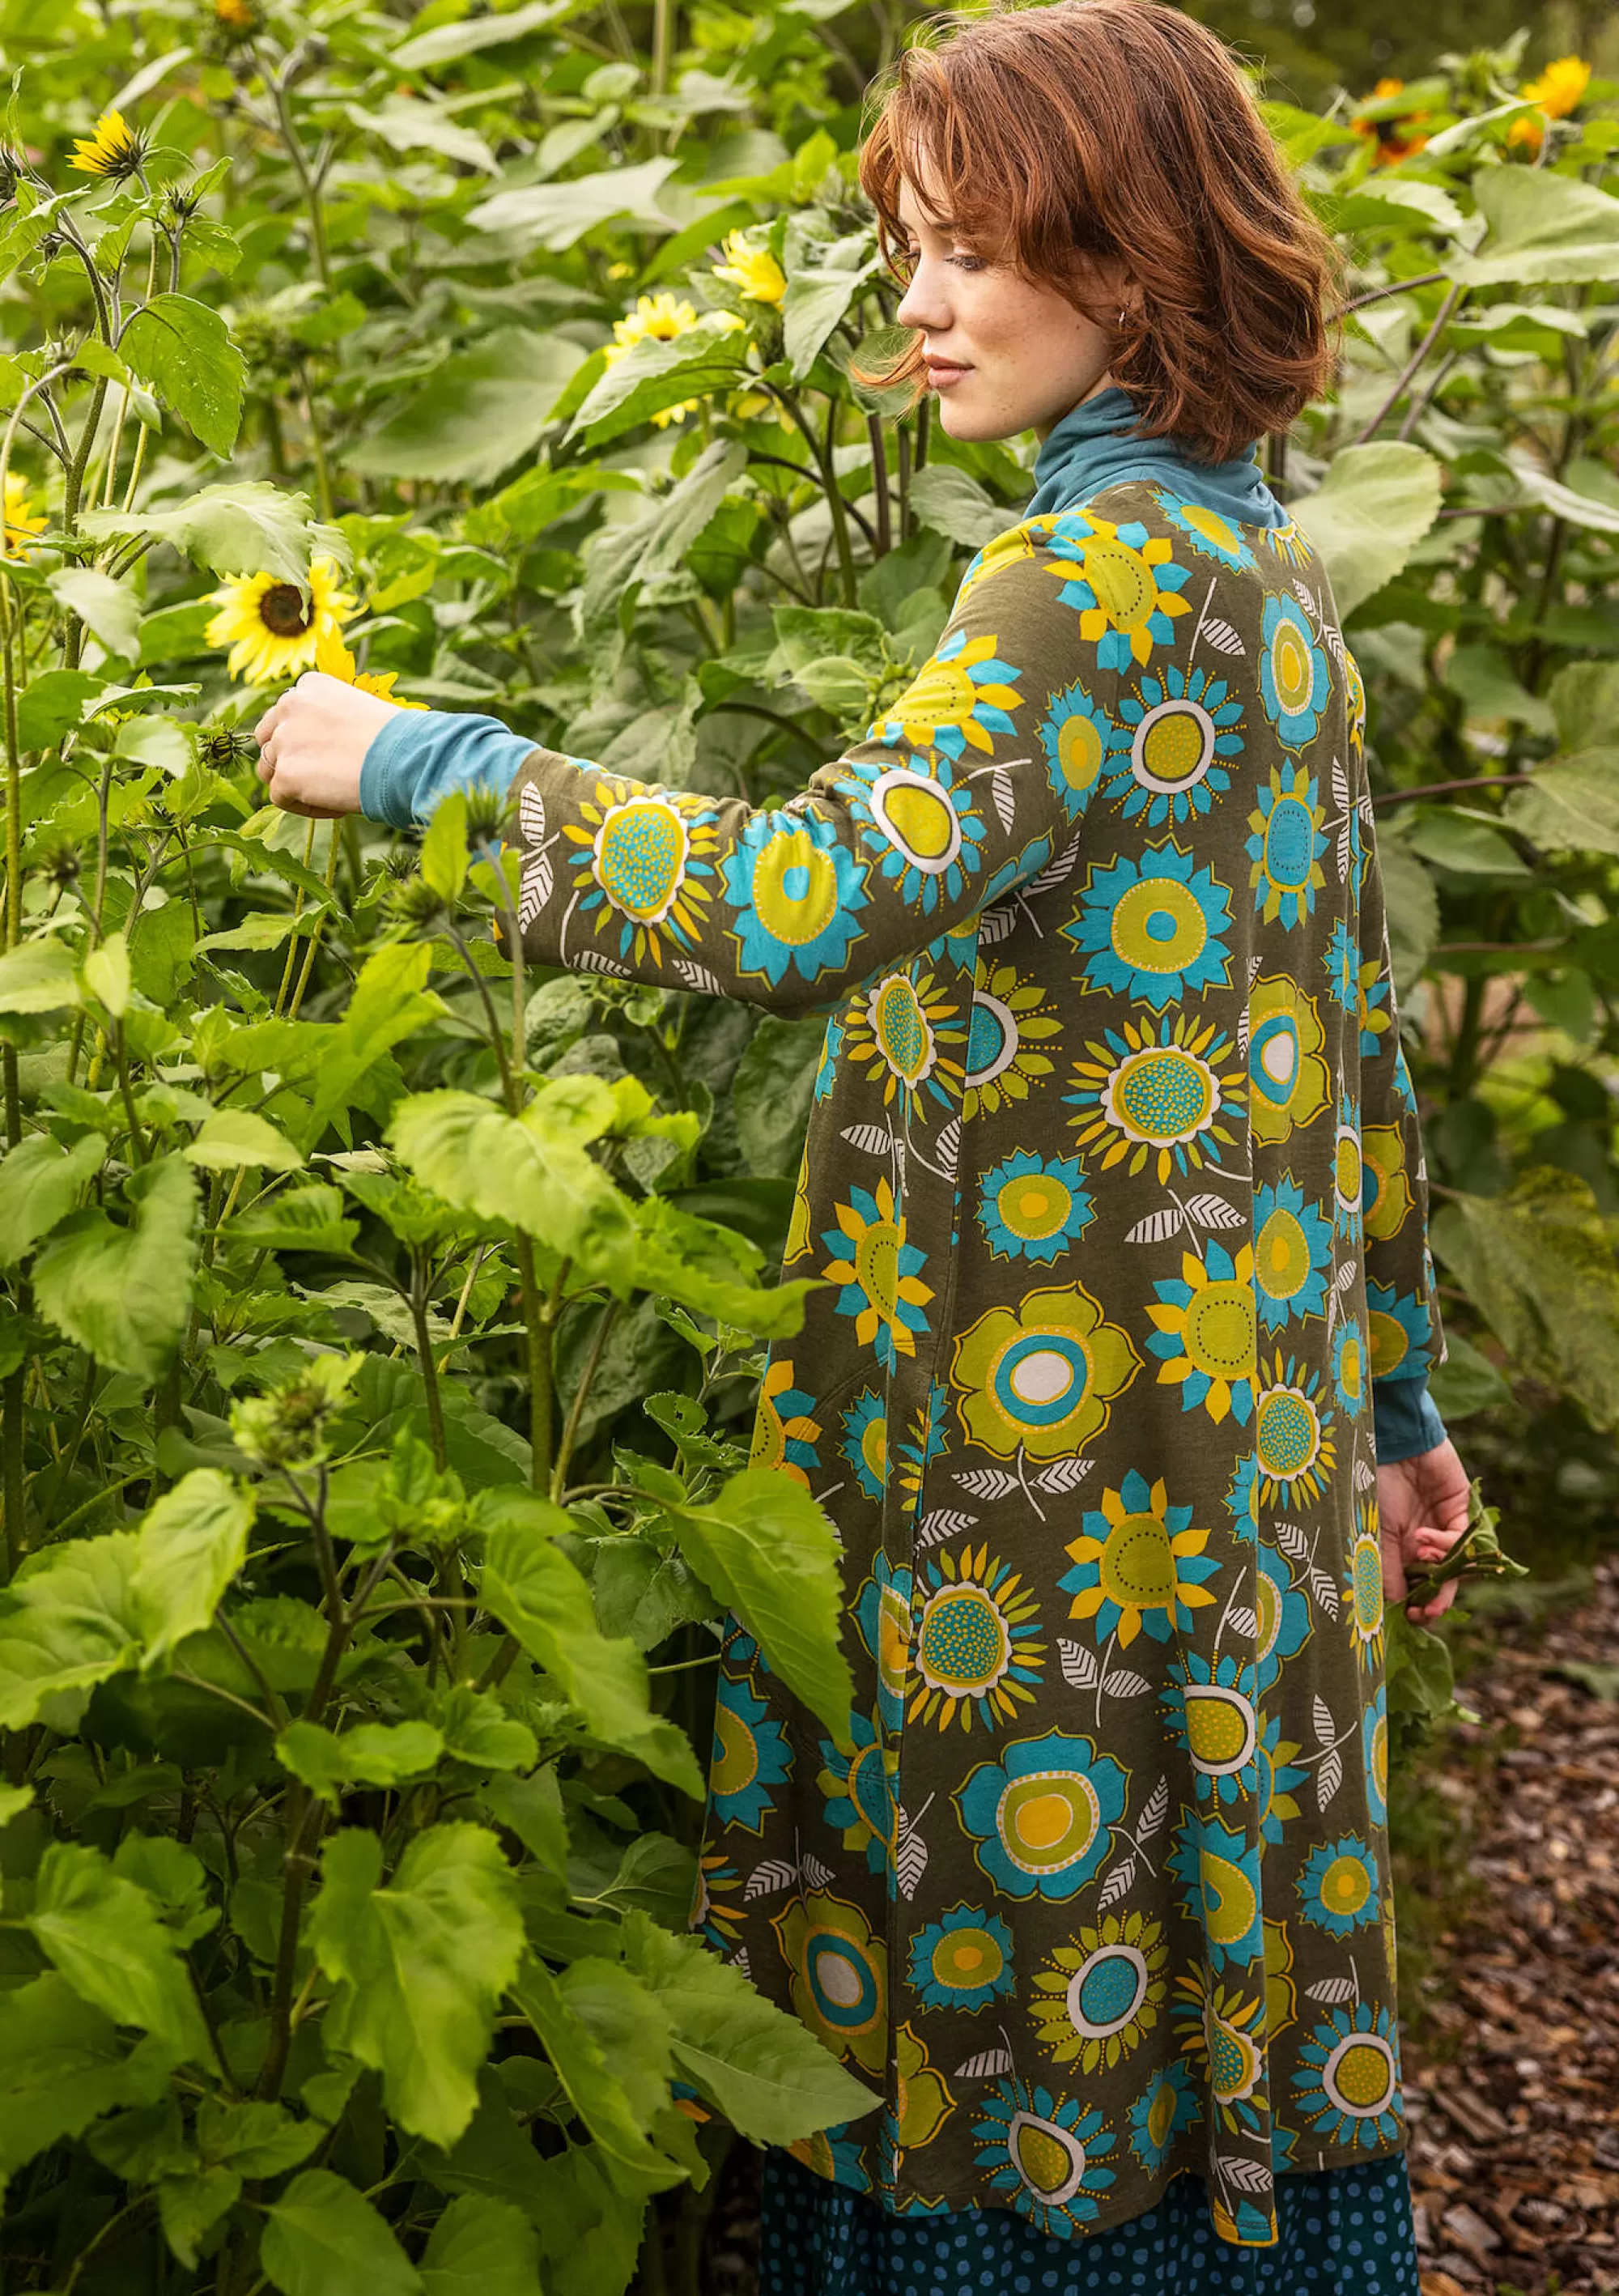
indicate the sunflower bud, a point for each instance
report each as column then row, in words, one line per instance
column 488, row 811
column 60, row 866
column 222, row 748
column 415, row 902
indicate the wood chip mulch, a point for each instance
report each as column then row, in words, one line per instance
column 1512, row 2062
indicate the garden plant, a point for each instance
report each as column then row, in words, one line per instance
column 382, row 1325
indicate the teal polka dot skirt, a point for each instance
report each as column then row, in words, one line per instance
column 1344, row 2232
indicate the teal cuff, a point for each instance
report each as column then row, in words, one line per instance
column 421, row 755
column 1405, row 1418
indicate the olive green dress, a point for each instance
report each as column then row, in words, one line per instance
column 1114, row 1185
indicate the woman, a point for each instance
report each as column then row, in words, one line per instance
column 1115, row 1388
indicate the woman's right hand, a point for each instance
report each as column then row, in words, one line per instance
column 1422, row 1510
column 313, row 742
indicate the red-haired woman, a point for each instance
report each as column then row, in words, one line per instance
column 1116, row 1384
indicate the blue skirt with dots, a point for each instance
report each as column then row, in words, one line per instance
column 1343, row 2232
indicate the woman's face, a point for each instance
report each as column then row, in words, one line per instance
column 1004, row 354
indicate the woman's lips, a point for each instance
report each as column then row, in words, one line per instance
column 943, row 374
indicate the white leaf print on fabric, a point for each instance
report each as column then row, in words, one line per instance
column 1080, row 1667
column 1222, row 637
column 989, row 2064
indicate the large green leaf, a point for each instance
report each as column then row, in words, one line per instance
column 1572, row 804
column 37, row 976
column 184, row 350
column 324, row 2238
column 245, row 527
column 773, row 1092
column 448, row 43
column 233, row 1137
column 420, row 1965
column 124, row 1293
column 483, row 410
column 191, row 1544
column 109, row 610
column 1543, row 226
column 537, row 1594
column 64, row 2066
column 104, row 1935
column 373, row 1753
column 1369, row 513
column 554, row 215
column 646, row 548
column 1539, row 1267
column 953, row 503
column 39, row 1185
column 770, row 1552
column 68, row 1620
column 482, row 2246
column 602, row 2088
column 406, row 124
column 655, row 373
column 763, row 2069
column 692, row 1261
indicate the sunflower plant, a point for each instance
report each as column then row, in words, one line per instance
column 382, row 1322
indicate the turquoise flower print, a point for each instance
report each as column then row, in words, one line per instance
column 977, row 1649
column 1209, row 1705
column 644, row 858
column 832, row 1050
column 1373, row 1007
column 1347, row 2085
column 1293, row 679
column 879, row 1271
column 1348, row 1171
column 1159, row 1091
column 1374, row 1753
column 926, row 1440
column 1042, row 1817
column 1293, row 1435
column 959, row 701
column 1401, row 1332
column 1079, row 739
column 1165, row 2106
column 1221, row 2029
column 1351, row 1354
column 835, row 2155
column 865, row 1443
column 1341, row 961
column 1218, row 1870
column 1285, row 847
column 1292, row 1254
column 798, row 892
column 1208, row 1332
column 882, row 1613
column 962, row 1961
column 751, row 1755
column 1284, row 1615
column 858, row 1792
column 908, row 1030
column 1034, row 1207
column 1278, row 1778
column 1139, row 1566
column 959, row 947
column 1338, row 1891
column 1242, row 1497
column 1047, row 2155
column 1210, row 535
column 1152, row 927
column 1179, row 729
column 1125, row 586
column 919, row 820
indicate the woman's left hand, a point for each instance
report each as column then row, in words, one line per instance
column 312, row 744
column 1422, row 1511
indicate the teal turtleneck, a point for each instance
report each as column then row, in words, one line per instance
column 1090, row 448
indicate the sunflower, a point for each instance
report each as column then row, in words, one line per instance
column 333, row 657
column 1559, row 91
column 271, row 629
column 657, row 318
column 21, row 520
column 115, row 149
column 1139, row 1562
column 1395, row 134
column 753, row 271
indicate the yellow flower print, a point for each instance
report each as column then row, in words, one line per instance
column 1207, row 1333
column 1282, row 1995
column 645, row 857
column 1099, row 1996
column 922, row 2103
column 879, row 1271
column 960, row 699
column 839, row 1975
column 1041, row 1381
column 1288, row 1079
column 1138, row 1562
column 1388, row 1209
column 1160, row 1091
column 902, row 1026
column 1363, row 1589
column 1123, row 583
column 1004, row 550
column 784, row 1434
column 1003, row 1039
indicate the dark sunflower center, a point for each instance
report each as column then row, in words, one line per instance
column 282, row 611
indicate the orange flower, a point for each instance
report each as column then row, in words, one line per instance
column 1392, row 137
column 1559, row 91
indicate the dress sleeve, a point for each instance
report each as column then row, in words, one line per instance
column 420, row 755
column 1407, row 1337
column 951, row 802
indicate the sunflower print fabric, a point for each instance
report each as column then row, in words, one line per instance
column 1115, row 1190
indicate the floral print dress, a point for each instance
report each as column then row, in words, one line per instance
column 1115, row 1190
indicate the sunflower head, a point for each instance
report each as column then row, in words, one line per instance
column 21, row 519
column 236, row 15
column 115, row 149
column 753, row 271
column 271, row 629
column 1559, row 91
column 1394, row 136
column 333, row 657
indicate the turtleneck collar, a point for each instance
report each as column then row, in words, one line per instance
column 1090, row 449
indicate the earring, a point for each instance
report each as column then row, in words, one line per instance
column 1123, row 316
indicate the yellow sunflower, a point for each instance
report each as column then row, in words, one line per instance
column 1559, row 91
column 115, row 149
column 21, row 520
column 659, row 318
column 332, row 656
column 753, row 271
column 271, row 630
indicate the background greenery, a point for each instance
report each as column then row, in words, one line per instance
column 380, row 1338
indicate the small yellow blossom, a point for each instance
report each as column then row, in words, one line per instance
column 660, row 318
column 332, row 656
column 1393, row 138
column 115, row 149
column 270, row 629
column 20, row 520
column 621, row 270
column 237, row 13
column 753, row 271
column 1557, row 91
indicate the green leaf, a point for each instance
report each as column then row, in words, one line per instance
column 40, row 1182
column 406, row 124
column 691, row 1261
column 420, row 1965
column 373, row 1753
column 763, row 2069
column 189, row 2207
column 448, row 43
column 591, row 2076
column 105, row 970
column 68, row 1620
column 256, row 2140
column 1572, row 804
column 444, row 848
column 267, row 930
column 1541, row 225
column 1412, row 906
column 109, row 610
column 774, row 1087
column 37, row 976
column 1369, row 513
column 532, row 1807
column 250, row 526
column 478, row 1730
column 322, row 2238
column 823, row 276
column 1466, row 1381
column 656, row 373
column 949, row 501
column 64, row 2067
column 554, row 215
column 184, row 350
column 52, row 705
column 124, row 1293
column 483, row 410
column 538, row 1595
column 533, row 1171
column 1459, row 842
column 1396, row 204
column 233, row 1137
column 770, row 1552
column 645, row 548
column 302, row 1219
column 1584, row 698
column 482, row 2246
column 191, row 1544
column 104, row 1934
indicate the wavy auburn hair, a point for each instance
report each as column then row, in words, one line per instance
column 1120, row 129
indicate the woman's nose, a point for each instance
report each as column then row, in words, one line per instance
column 923, row 305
